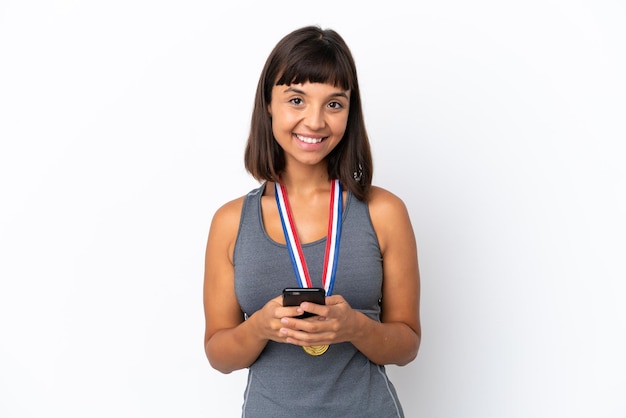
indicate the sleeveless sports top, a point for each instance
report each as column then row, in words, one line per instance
column 285, row 381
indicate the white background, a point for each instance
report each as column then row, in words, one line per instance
column 500, row 124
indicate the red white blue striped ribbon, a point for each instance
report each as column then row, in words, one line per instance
column 332, row 241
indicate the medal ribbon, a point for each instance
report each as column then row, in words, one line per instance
column 332, row 241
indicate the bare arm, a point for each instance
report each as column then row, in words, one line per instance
column 397, row 338
column 230, row 342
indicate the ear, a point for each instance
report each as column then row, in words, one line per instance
column 269, row 110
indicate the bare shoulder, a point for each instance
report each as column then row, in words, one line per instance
column 384, row 203
column 224, row 228
column 390, row 218
column 229, row 213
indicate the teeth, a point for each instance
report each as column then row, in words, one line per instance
column 309, row 140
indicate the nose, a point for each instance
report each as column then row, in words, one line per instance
column 314, row 118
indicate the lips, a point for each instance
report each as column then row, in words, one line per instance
column 310, row 140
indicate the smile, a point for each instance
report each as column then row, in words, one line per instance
column 309, row 140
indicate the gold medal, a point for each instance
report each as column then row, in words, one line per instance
column 315, row 350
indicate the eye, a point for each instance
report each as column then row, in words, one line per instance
column 335, row 105
column 296, row 100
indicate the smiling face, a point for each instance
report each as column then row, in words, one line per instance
column 308, row 120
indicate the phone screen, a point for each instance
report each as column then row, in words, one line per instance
column 295, row 296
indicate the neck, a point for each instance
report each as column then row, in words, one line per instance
column 305, row 180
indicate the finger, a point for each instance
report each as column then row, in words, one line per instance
column 334, row 300
column 314, row 308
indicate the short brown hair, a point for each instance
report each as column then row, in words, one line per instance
column 311, row 54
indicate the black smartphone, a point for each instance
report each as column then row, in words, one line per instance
column 294, row 296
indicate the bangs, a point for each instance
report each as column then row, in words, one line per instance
column 319, row 62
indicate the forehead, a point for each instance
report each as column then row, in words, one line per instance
column 308, row 88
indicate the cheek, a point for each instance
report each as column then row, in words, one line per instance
column 282, row 123
column 277, row 125
column 280, row 128
column 339, row 126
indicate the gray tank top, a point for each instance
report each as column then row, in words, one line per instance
column 285, row 381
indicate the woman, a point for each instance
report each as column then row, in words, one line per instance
column 309, row 147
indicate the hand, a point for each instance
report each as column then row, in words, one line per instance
column 268, row 319
column 335, row 322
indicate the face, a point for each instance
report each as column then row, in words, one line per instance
column 308, row 120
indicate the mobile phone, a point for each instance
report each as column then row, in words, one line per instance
column 294, row 296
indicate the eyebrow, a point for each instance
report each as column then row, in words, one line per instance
column 302, row 92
